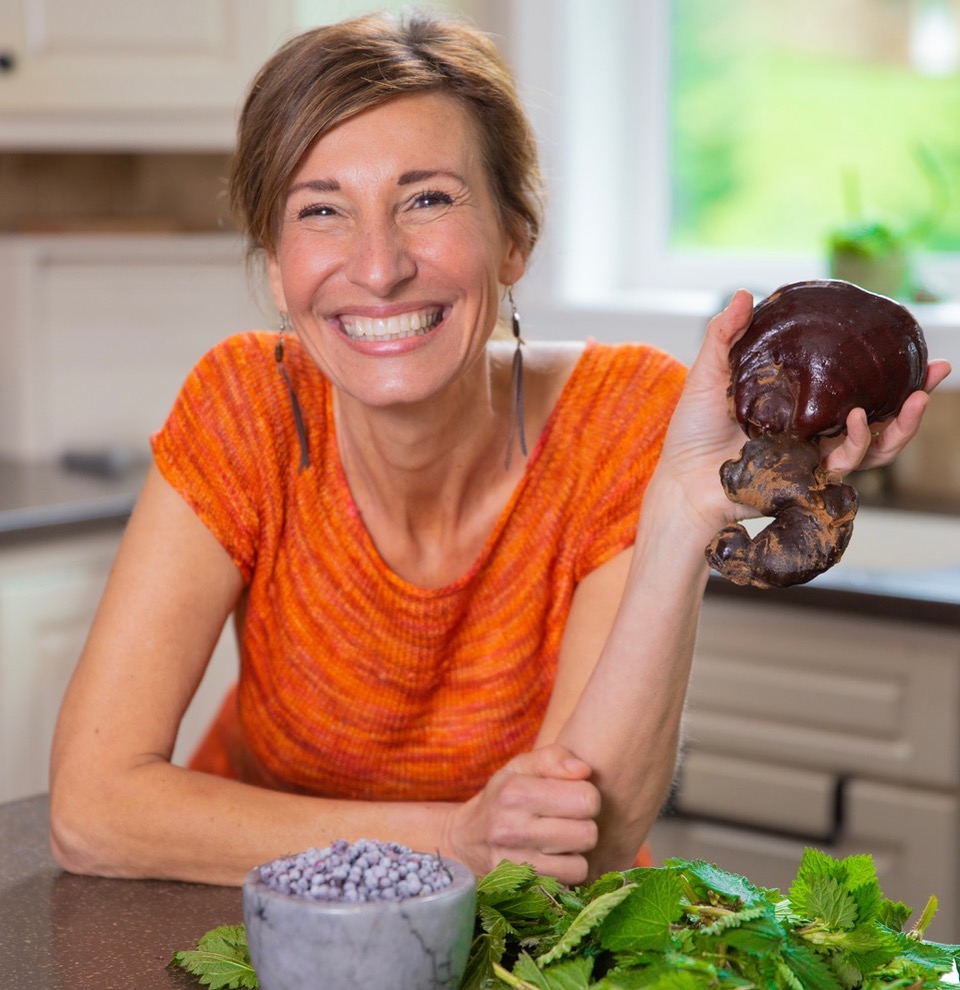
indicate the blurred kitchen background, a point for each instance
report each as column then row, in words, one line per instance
column 691, row 147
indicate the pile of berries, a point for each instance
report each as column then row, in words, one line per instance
column 365, row 870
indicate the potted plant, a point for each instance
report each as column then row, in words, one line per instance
column 875, row 253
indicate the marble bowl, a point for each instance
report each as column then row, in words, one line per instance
column 419, row 943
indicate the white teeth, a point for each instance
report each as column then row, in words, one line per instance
column 393, row 328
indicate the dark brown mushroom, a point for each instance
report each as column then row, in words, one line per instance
column 813, row 352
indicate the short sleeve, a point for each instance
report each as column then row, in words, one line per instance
column 208, row 447
column 628, row 423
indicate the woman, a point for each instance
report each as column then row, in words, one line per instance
column 457, row 629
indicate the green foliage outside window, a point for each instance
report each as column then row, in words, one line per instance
column 774, row 106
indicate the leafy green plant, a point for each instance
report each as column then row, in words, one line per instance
column 688, row 925
column 875, row 252
column 221, row 959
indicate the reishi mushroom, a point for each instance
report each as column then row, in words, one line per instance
column 813, row 352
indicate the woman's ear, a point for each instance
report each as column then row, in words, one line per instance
column 513, row 265
column 275, row 281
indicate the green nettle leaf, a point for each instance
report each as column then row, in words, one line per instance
column 809, row 967
column 493, row 922
column 760, row 936
column 585, row 922
column 831, row 902
column 504, row 879
column 893, row 914
column 685, row 926
column 486, row 950
column 569, row 974
column 868, row 898
column 929, row 956
column 642, row 921
column 712, row 878
column 221, row 959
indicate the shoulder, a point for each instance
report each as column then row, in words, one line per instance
column 240, row 355
column 589, row 373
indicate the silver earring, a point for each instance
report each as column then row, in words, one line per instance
column 297, row 411
column 516, row 385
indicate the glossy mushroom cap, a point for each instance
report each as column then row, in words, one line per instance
column 816, row 350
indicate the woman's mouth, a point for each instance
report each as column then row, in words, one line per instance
column 397, row 327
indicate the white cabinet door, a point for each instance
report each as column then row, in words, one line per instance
column 48, row 595
column 98, row 333
column 49, row 592
column 77, row 72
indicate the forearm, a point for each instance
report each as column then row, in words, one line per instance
column 627, row 722
column 166, row 822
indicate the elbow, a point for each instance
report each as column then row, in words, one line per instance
column 79, row 834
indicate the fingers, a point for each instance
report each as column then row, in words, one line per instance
column 553, row 761
column 543, row 797
column 730, row 323
column 540, row 809
column 868, row 445
column 722, row 332
column 937, row 371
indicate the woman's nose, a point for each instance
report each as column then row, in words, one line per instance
column 380, row 258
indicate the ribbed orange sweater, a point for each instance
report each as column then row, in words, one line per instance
column 355, row 683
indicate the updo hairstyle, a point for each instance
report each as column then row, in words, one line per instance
column 326, row 75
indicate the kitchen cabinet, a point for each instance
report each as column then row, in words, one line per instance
column 99, row 332
column 808, row 727
column 131, row 73
column 145, row 74
column 50, row 586
column 48, row 594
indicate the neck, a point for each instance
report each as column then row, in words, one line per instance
column 422, row 470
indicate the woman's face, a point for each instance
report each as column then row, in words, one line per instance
column 391, row 253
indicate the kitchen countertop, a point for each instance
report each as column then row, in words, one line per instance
column 44, row 495
column 901, row 563
column 59, row 931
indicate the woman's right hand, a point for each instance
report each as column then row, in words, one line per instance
column 540, row 809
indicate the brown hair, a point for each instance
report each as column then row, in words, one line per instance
column 324, row 76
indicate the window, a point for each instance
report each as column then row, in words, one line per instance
column 697, row 144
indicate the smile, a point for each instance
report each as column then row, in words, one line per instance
column 392, row 328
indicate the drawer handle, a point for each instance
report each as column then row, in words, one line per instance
column 8, row 62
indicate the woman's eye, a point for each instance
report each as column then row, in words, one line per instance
column 425, row 200
column 316, row 210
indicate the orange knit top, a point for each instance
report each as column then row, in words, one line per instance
column 355, row 683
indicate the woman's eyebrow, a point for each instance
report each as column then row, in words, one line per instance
column 422, row 174
column 316, row 185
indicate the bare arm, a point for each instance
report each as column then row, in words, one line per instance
column 120, row 808
column 624, row 670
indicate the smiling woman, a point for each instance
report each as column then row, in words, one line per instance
column 390, row 253
column 441, row 645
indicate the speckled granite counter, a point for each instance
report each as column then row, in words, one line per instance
column 64, row 932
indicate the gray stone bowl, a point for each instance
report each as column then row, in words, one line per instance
column 420, row 943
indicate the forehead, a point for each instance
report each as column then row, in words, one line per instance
column 428, row 130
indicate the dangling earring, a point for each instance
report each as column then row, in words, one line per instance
column 297, row 412
column 516, row 385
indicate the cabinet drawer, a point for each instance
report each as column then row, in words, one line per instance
column 822, row 691
column 785, row 799
column 910, row 833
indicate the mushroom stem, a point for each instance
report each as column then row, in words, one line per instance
column 779, row 475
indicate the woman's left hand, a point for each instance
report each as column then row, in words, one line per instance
column 868, row 445
column 703, row 433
